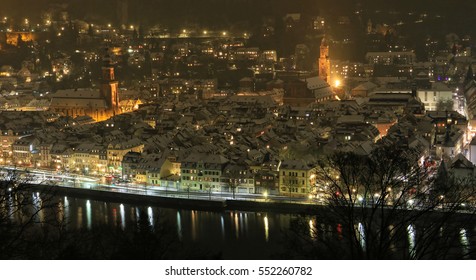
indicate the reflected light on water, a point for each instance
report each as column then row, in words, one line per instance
column 150, row 215
column 12, row 208
column 361, row 231
column 114, row 217
column 411, row 240
column 80, row 217
column 222, row 223
column 37, row 202
column 237, row 226
column 66, row 210
column 123, row 216
column 88, row 214
column 60, row 216
column 312, row 229
column 266, row 228
column 179, row 226
column 106, row 214
column 194, row 225
column 463, row 237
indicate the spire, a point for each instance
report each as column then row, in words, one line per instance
column 106, row 59
column 324, row 42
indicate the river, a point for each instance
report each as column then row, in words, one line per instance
column 233, row 234
column 227, row 234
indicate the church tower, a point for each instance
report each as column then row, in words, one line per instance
column 109, row 85
column 324, row 62
column 369, row 26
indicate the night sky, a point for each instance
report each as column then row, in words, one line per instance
column 458, row 15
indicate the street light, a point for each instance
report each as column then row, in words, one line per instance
column 265, row 194
column 337, row 83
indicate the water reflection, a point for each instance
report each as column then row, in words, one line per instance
column 88, row 215
column 150, row 216
column 60, row 215
column 106, row 214
column 123, row 216
column 361, row 232
column 266, row 228
column 179, row 226
column 194, row 225
column 66, row 219
column 80, row 217
column 222, row 224
column 237, row 226
column 312, row 229
column 463, row 236
column 114, row 216
column 38, row 207
column 411, row 241
column 235, row 232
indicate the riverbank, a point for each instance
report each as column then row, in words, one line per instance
column 213, row 204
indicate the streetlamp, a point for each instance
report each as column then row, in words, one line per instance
column 265, row 194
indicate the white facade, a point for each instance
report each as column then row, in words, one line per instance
column 431, row 97
column 472, row 151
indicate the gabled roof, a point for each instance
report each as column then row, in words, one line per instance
column 316, row 83
column 460, row 161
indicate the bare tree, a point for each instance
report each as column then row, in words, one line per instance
column 23, row 217
column 384, row 206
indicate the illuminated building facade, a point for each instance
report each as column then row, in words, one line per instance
column 324, row 62
column 99, row 105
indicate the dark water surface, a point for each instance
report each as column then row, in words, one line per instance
column 234, row 234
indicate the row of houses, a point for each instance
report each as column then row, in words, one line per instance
column 215, row 173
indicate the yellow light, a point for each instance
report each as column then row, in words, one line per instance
column 337, row 83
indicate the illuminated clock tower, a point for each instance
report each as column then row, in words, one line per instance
column 324, row 63
column 109, row 85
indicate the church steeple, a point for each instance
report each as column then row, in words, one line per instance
column 109, row 84
column 324, row 63
column 369, row 26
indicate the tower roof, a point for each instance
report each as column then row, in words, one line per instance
column 106, row 59
column 324, row 42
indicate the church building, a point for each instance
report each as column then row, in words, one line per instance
column 99, row 105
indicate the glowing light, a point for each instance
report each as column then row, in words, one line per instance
column 88, row 214
column 150, row 215
column 123, row 216
column 337, row 83
column 266, row 228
